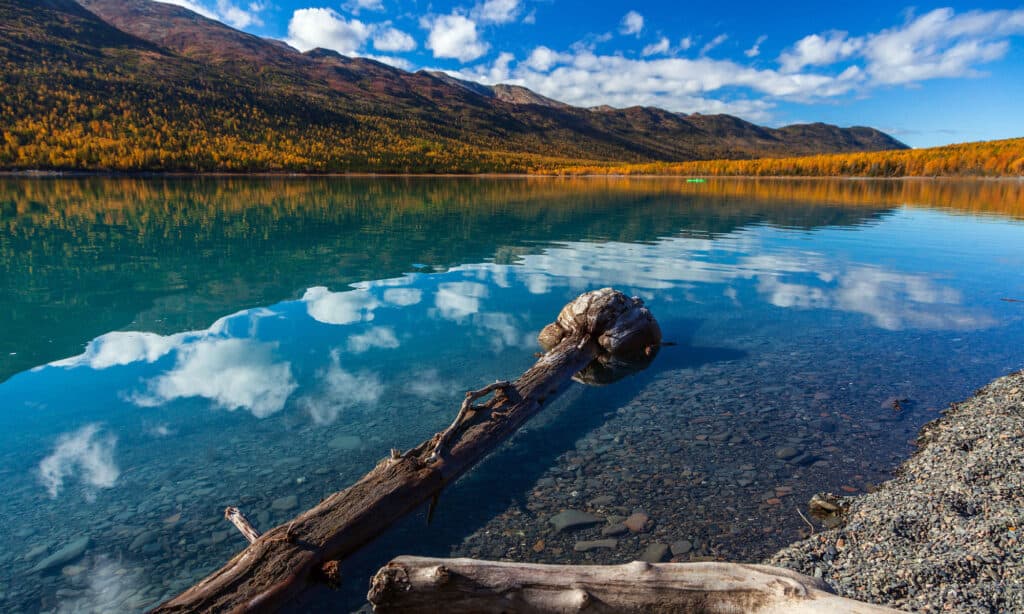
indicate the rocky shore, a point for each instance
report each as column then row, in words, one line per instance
column 945, row 533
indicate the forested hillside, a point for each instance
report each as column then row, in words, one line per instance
column 134, row 85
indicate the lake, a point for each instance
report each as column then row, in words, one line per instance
column 172, row 346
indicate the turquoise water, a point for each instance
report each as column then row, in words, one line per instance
column 177, row 346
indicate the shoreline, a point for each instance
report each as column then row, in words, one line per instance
column 52, row 174
column 944, row 532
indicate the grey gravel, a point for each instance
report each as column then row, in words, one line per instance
column 944, row 534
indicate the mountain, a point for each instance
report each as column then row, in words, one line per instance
column 142, row 85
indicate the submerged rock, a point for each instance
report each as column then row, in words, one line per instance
column 655, row 553
column 570, row 519
column 67, row 554
column 587, row 546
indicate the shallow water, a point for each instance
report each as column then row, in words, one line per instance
column 176, row 346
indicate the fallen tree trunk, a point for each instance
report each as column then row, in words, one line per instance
column 280, row 563
column 414, row 585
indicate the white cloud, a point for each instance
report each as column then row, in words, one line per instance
column 819, row 50
column 716, row 41
column 685, row 43
column 224, row 11
column 311, row 28
column 83, row 452
column 755, row 51
column 659, row 48
column 542, row 59
column 376, row 337
column 497, row 11
column 232, row 373
column 354, row 6
column 340, row 390
column 938, row 44
column 941, row 44
column 531, row 17
column 454, row 36
column 584, row 78
column 632, row 23
column 390, row 39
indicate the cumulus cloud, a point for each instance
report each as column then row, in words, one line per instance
column 86, row 454
column 454, row 36
column 224, row 11
column 391, row 39
column 542, row 59
column 340, row 390
column 937, row 44
column 585, row 78
column 632, row 23
column 815, row 68
column 311, row 28
column 232, row 373
column 497, row 11
column 819, row 50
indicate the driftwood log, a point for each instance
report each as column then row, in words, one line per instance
column 280, row 563
column 414, row 585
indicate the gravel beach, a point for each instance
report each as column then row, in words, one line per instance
column 944, row 533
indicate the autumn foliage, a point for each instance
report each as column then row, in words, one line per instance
column 1003, row 158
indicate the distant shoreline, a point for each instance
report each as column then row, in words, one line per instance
column 39, row 174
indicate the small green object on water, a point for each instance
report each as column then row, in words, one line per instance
column 697, row 180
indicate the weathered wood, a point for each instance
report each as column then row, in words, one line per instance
column 413, row 585
column 237, row 518
column 284, row 560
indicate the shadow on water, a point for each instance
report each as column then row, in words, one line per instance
column 507, row 476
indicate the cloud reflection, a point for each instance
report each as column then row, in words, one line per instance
column 340, row 307
column 233, row 373
column 85, row 453
column 793, row 279
column 340, row 390
column 376, row 337
column 458, row 299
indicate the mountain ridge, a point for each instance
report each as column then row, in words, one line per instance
column 261, row 105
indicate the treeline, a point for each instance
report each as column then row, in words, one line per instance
column 1004, row 158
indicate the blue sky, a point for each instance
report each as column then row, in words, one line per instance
column 929, row 74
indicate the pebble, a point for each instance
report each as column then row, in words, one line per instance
column 283, row 504
column 345, row 443
column 571, row 519
column 142, row 539
column 587, row 546
column 786, row 453
column 637, row 522
column 614, row 529
column 937, row 537
column 654, row 553
column 681, row 547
